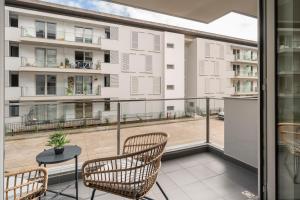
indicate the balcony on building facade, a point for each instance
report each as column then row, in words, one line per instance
column 244, row 74
column 59, row 93
column 60, row 37
column 241, row 91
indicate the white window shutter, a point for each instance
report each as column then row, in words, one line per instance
column 134, row 85
column 201, row 68
column 134, row 40
column 114, row 57
column 206, row 85
column 221, row 51
column 125, row 62
column 156, row 85
column 114, row 80
column 217, row 68
column 156, row 43
column 148, row 67
column 114, row 33
column 207, row 50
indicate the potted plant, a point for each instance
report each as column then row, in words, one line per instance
column 98, row 65
column 67, row 63
column 69, row 91
column 61, row 65
column 58, row 140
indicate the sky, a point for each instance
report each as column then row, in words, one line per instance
column 231, row 24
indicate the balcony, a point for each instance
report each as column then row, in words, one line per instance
column 243, row 59
column 206, row 155
column 63, row 38
column 245, row 74
column 66, row 66
column 245, row 91
column 58, row 93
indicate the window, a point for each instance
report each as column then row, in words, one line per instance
column 106, row 105
column 78, row 110
column 170, row 87
column 236, row 53
column 51, row 30
column 170, row 108
column 83, row 34
column 13, row 49
column 83, row 59
column 45, row 57
column 170, row 66
column 83, row 85
column 107, row 57
column 88, row 110
column 13, row 109
column 40, row 29
column 14, row 79
column 45, row 83
column 107, row 33
column 170, row 45
column 44, row 113
column 191, row 104
column 106, row 80
column 13, row 21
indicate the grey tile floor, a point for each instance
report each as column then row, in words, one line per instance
column 203, row 176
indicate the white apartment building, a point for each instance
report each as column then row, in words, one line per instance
column 59, row 66
column 53, row 58
column 220, row 69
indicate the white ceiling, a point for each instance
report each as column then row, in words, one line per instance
column 199, row 10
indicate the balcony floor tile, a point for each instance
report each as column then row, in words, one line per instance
column 203, row 176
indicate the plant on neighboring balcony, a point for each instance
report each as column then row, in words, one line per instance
column 67, row 62
column 58, row 140
column 69, row 91
column 61, row 65
column 98, row 65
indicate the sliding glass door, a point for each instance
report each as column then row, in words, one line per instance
column 288, row 99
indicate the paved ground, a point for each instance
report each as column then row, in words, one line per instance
column 20, row 151
column 203, row 176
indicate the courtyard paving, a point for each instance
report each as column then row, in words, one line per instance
column 21, row 150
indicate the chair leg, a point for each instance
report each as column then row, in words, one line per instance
column 162, row 191
column 93, row 194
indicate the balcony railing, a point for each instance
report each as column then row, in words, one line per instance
column 59, row 91
column 62, row 35
column 98, row 126
column 62, row 64
column 245, row 73
column 246, row 90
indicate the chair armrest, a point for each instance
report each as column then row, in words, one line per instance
column 26, row 181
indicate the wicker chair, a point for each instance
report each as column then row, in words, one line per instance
column 25, row 184
column 131, row 174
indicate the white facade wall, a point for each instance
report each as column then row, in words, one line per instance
column 174, row 70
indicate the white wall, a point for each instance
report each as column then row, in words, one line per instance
column 241, row 129
column 174, row 56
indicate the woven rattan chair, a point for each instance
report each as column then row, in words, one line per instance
column 131, row 174
column 25, row 184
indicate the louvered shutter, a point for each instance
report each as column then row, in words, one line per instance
column 114, row 80
column 207, row 50
column 221, row 51
column 134, row 40
column 125, row 62
column 148, row 63
column 156, row 43
column 114, row 33
column 114, row 57
column 201, row 68
column 217, row 68
column 156, row 85
column 134, row 85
